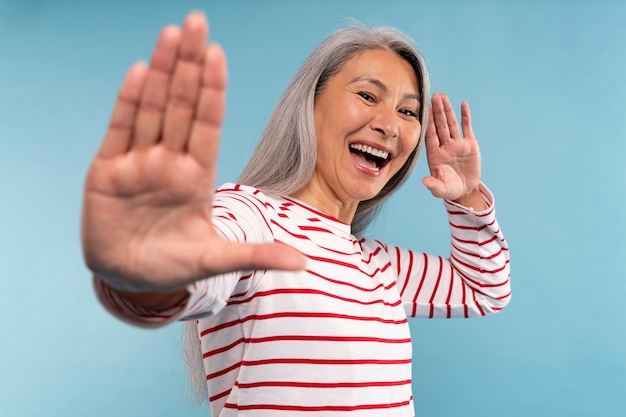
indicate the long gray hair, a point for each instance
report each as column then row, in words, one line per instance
column 284, row 159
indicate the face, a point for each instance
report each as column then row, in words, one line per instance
column 367, row 124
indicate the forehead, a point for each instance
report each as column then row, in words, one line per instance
column 381, row 64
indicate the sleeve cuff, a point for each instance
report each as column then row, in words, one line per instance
column 134, row 315
column 488, row 199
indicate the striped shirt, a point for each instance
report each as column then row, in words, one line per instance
column 333, row 338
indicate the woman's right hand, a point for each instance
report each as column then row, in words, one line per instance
column 146, row 220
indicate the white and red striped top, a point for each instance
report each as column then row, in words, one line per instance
column 333, row 338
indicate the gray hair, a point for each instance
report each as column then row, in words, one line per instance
column 285, row 156
column 284, row 159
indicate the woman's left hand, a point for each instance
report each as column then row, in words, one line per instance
column 453, row 156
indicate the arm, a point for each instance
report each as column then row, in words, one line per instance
column 147, row 233
column 475, row 279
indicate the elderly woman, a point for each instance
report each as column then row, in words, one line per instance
column 291, row 311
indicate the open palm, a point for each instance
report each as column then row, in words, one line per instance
column 146, row 224
column 453, row 156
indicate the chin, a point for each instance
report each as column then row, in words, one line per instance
column 365, row 194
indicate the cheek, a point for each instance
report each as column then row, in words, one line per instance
column 349, row 116
column 411, row 140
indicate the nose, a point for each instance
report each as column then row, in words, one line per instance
column 385, row 123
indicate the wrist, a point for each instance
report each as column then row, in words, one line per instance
column 473, row 200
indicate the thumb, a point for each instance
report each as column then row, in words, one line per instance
column 435, row 186
column 246, row 257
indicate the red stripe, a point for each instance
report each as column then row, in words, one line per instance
column 476, row 255
column 474, row 242
column 464, row 300
column 231, row 227
column 312, row 291
column 223, row 348
column 316, row 338
column 291, row 384
column 220, row 395
column 372, row 254
column 297, row 236
column 349, row 265
column 475, row 228
column 316, row 408
column 407, row 276
column 317, row 213
column 225, row 370
column 243, row 198
column 300, row 338
column 314, row 229
column 434, row 293
column 505, row 296
column 305, row 237
column 480, row 309
column 480, row 270
column 449, row 315
column 465, row 213
column 309, row 361
column 349, row 284
column 106, row 290
column 419, row 288
column 476, row 284
column 244, row 278
column 298, row 314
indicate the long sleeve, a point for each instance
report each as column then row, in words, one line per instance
column 473, row 281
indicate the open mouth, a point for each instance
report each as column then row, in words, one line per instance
column 370, row 157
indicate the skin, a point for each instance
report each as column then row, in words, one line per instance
column 146, row 220
column 453, row 155
column 373, row 101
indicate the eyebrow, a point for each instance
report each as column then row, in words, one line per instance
column 383, row 87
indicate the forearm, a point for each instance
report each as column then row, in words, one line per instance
column 474, row 281
column 479, row 253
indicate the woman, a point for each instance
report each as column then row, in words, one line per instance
column 297, row 315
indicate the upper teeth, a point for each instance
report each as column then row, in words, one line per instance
column 373, row 151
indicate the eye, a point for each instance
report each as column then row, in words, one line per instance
column 408, row 112
column 366, row 96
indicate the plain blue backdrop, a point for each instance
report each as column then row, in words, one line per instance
column 546, row 84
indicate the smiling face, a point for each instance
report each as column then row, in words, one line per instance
column 367, row 124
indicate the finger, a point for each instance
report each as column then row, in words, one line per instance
column 431, row 139
column 154, row 95
column 119, row 134
column 184, row 88
column 242, row 257
column 453, row 126
column 207, row 125
column 440, row 119
column 466, row 120
column 436, row 187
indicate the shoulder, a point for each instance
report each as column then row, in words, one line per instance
column 248, row 208
column 241, row 196
column 230, row 189
column 375, row 247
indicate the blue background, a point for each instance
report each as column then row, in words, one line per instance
column 546, row 82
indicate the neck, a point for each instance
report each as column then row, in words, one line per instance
column 327, row 202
